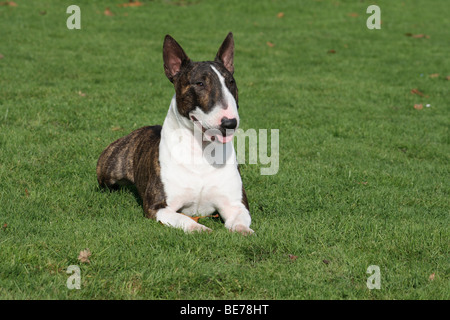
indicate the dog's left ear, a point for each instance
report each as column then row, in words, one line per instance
column 226, row 53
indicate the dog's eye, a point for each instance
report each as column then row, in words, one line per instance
column 232, row 81
column 200, row 84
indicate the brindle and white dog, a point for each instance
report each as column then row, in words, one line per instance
column 162, row 162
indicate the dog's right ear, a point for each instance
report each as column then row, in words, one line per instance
column 174, row 57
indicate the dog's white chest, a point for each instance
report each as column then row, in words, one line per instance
column 192, row 185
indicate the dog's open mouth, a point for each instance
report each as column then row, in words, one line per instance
column 222, row 135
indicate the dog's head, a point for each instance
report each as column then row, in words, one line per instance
column 206, row 92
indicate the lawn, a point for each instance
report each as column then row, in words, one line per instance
column 363, row 179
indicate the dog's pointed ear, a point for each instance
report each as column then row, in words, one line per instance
column 174, row 57
column 226, row 53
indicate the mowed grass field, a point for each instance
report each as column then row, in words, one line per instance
column 363, row 174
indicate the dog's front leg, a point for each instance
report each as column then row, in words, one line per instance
column 170, row 217
column 237, row 219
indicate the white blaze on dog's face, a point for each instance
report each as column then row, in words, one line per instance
column 206, row 92
column 219, row 122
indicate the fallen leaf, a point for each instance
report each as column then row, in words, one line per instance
column 81, row 94
column 431, row 277
column 4, row 226
column 116, row 128
column 416, row 91
column 280, row 15
column 331, row 51
column 353, row 14
column 8, row 3
column 108, row 12
column 1, row 56
column 270, row 44
column 27, row 193
column 418, row 106
column 417, row 36
column 447, row 77
column 434, row 75
column 421, row 35
column 196, row 218
column 131, row 4
column 292, row 257
column 326, row 261
column 43, row 13
column 84, row 255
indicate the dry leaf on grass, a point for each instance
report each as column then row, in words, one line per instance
column 280, row 15
column 84, row 256
column 326, row 261
column 434, row 75
column 292, row 257
column 108, row 12
column 432, row 276
column 353, row 14
column 270, row 44
column 196, row 218
column 416, row 91
column 8, row 3
column 418, row 106
column 131, row 4
column 331, row 51
column 5, row 225
column 417, row 36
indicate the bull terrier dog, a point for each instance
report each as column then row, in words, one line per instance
column 186, row 167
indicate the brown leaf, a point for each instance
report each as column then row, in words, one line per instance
column 27, row 193
column 196, row 218
column 416, row 91
column 1, row 56
column 81, row 94
column 326, row 261
column 418, row 106
column 431, row 277
column 417, row 36
column 116, row 128
column 84, row 256
column 434, row 75
column 421, row 35
column 131, row 4
column 5, row 225
column 447, row 77
column 108, row 12
column 280, row 15
column 8, row 3
column 292, row 257
column 353, row 14
column 270, row 44
column 331, row 51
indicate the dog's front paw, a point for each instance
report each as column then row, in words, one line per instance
column 246, row 231
column 197, row 227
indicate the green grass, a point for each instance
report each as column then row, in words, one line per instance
column 363, row 177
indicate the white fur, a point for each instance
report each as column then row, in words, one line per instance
column 192, row 184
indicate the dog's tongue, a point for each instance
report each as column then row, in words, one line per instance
column 224, row 139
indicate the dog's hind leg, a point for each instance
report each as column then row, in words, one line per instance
column 115, row 164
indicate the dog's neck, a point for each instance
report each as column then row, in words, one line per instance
column 184, row 142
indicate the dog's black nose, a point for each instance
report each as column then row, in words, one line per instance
column 228, row 123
